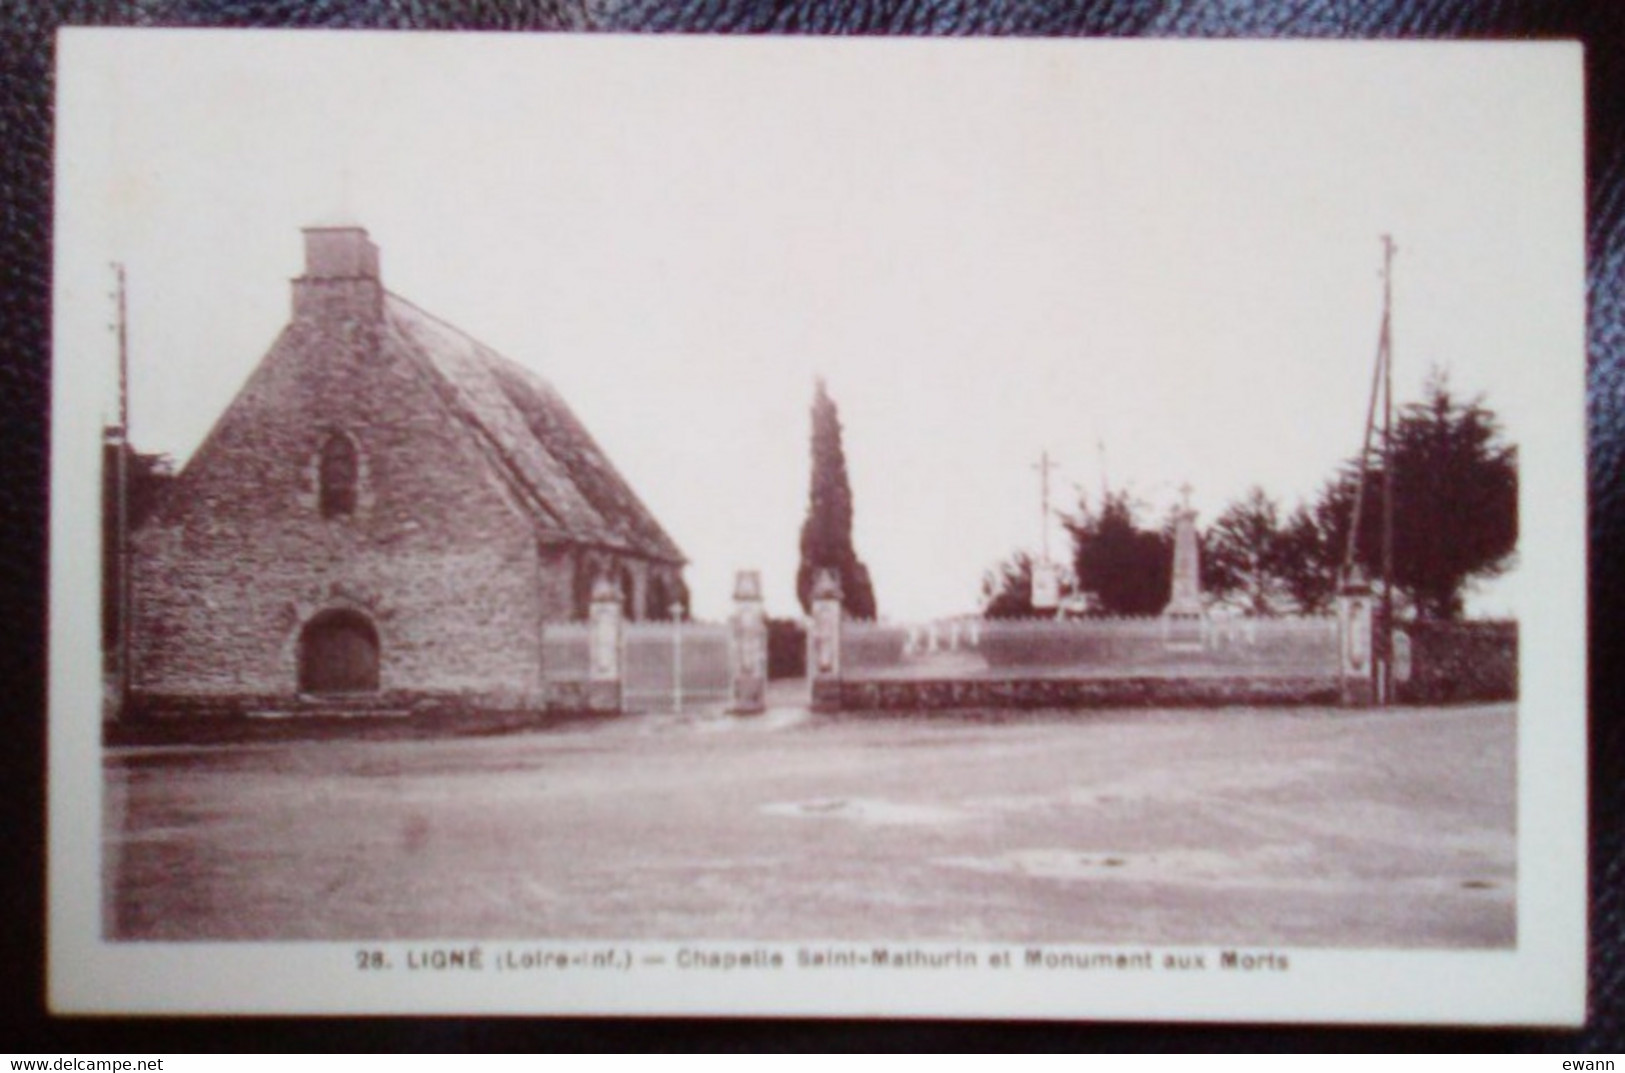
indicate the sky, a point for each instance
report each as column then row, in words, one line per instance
column 1157, row 262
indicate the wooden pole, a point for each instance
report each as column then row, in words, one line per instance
column 1387, row 358
column 124, row 601
column 1043, row 466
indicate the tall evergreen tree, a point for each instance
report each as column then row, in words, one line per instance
column 1007, row 589
column 826, row 535
column 1455, row 502
column 1125, row 570
column 1309, row 561
column 1244, row 556
column 1455, row 511
column 149, row 476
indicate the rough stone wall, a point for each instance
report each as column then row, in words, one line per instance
column 1461, row 661
column 556, row 566
column 999, row 694
column 436, row 553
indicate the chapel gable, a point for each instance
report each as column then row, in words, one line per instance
column 387, row 509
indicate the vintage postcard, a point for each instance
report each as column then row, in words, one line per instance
column 999, row 529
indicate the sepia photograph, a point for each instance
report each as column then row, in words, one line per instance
column 1038, row 529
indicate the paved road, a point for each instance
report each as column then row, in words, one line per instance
column 1304, row 827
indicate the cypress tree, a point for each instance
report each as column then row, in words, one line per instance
column 826, row 535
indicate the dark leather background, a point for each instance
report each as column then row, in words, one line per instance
column 25, row 216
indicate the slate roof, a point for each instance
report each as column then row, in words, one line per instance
column 548, row 458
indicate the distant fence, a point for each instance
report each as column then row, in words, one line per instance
column 672, row 665
column 999, row 663
column 1089, row 648
column 662, row 666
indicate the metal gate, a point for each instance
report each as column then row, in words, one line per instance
column 674, row 666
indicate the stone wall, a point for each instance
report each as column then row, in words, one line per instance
column 1124, row 692
column 1461, row 661
column 436, row 553
column 1094, row 647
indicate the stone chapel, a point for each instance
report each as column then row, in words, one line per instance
column 386, row 515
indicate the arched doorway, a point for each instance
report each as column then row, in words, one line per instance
column 338, row 653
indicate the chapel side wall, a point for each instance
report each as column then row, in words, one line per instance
column 436, row 553
column 555, row 582
column 567, row 567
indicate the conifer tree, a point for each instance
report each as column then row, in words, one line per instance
column 1455, row 502
column 826, row 535
column 1125, row 570
column 1245, row 553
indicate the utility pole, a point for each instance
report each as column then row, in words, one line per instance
column 121, row 508
column 1382, row 386
column 1386, row 352
column 1043, row 466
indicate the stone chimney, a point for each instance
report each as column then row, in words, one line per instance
column 341, row 277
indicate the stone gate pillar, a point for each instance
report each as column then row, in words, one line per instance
column 1356, row 643
column 748, row 645
column 824, row 643
column 604, row 641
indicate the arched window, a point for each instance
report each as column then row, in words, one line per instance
column 338, row 653
column 658, row 599
column 629, row 594
column 336, row 474
column 581, row 593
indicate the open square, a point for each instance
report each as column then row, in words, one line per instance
column 1292, row 827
